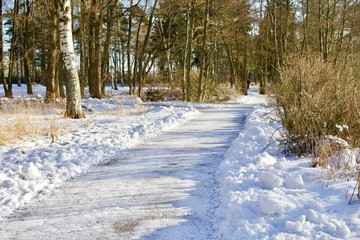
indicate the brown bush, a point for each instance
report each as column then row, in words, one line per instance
column 154, row 95
column 312, row 99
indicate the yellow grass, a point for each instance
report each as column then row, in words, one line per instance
column 29, row 118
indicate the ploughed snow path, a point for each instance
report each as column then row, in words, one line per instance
column 163, row 189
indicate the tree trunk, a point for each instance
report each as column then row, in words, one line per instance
column 106, row 55
column 305, row 14
column 94, row 55
column 116, row 63
column 339, row 44
column 264, row 36
column 2, row 76
column 244, row 82
column 232, row 67
column 8, row 82
column 128, row 51
column 98, row 53
column 203, row 60
column 26, row 49
column 91, row 55
column 73, row 94
column 83, row 57
column 122, row 57
column 136, row 57
column 166, row 41
column 189, row 47
column 143, row 50
column 61, row 72
column 51, row 93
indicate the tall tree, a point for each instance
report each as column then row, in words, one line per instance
column 128, row 48
column 95, row 48
column 26, row 47
column 83, row 29
column 235, row 38
column 203, row 53
column 263, row 46
column 110, row 15
column 2, row 77
column 141, row 52
column 52, row 84
column 190, row 21
column 12, row 55
column 73, row 93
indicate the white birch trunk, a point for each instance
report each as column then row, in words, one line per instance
column 73, row 93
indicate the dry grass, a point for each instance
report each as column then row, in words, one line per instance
column 21, row 118
column 127, row 226
column 312, row 99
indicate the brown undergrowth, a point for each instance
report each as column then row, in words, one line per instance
column 21, row 118
column 318, row 104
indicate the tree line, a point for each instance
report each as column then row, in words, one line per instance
column 194, row 46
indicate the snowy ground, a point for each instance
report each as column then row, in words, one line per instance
column 32, row 168
column 266, row 195
column 161, row 189
column 262, row 194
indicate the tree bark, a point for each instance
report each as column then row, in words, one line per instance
column 2, row 76
column 52, row 90
column 189, row 46
column 8, row 82
column 83, row 54
column 73, row 94
column 128, row 51
column 204, row 54
column 107, row 42
column 263, row 55
column 232, row 67
column 95, row 50
column 26, row 49
column 122, row 56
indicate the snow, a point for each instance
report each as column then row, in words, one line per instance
column 262, row 194
column 267, row 195
column 32, row 168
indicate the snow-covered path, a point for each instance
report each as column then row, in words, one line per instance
column 164, row 189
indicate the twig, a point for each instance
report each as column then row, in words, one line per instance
column 271, row 140
column 352, row 195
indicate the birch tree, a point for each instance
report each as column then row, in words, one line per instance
column 73, row 94
column 1, row 45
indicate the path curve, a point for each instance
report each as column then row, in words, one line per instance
column 163, row 189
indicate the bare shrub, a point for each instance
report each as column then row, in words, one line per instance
column 315, row 99
column 154, row 95
column 160, row 88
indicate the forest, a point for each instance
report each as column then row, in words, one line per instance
column 195, row 50
column 194, row 45
column 195, row 119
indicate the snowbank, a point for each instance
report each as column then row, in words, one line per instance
column 265, row 195
column 31, row 168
